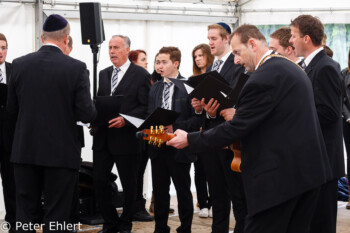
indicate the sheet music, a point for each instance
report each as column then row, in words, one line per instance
column 223, row 94
column 189, row 89
column 83, row 124
column 137, row 122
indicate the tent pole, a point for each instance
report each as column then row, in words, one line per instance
column 39, row 20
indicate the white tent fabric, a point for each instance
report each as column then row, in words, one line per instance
column 268, row 12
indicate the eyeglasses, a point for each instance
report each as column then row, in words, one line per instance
column 3, row 48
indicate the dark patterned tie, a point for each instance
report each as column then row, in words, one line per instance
column 166, row 95
column 1, row 78
column 302, row 64
column 114, row 79
column 216, row 65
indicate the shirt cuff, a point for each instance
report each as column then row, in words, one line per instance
column 210, row 117
column 198, row 113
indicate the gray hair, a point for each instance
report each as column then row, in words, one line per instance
column 126, row 40
column 57, row 35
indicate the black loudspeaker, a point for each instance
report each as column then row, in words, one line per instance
column 92, row 31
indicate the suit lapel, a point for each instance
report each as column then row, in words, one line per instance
column 227, row 65
column 125, row 80
column 106, row 82
column 8, row 72
column 314, row 61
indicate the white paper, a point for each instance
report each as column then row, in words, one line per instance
column 223, row 94
column 137, row 122
column 83, row 124
column 189, row 89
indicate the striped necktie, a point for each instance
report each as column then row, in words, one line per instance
column 1, row 78
column 166, row 95
column 114, row 80
column 216, row 65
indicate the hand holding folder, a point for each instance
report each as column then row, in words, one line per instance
column 108, row 108
column 213, row 88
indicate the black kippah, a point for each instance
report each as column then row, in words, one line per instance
column 225, row 26
column 54, row 23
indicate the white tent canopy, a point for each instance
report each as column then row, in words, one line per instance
column 151, row 24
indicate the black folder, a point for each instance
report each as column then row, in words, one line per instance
column 108, row 107
column 214, row 88
column 3, row 93
column 158, row 117
column 194, row 81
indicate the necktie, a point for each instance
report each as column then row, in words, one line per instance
column 303, row 65
column 166, row 95
column 1, row 78
column 216, row 65
column 114, row 80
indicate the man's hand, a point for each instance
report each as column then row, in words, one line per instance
column 228, row 113
column 211, row 107
column 180, row 141
column 196, row 104
column 169, row 128
column 117, row 122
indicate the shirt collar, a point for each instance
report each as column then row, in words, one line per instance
column 312, row 55
column 3, row 68
column 224, row 58
column 123, row 67
column 51, row 44
column 265, row 55
column 172, row 77
column 299, row 60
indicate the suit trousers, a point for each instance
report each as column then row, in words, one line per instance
column 57, row 187
column 9, row 189
column 292, row 216
column 140, row 200
column 103, row 162
column 224, row 186
column 200, row 180
column 325, row 217
column 165, row 167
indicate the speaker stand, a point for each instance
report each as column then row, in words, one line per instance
column 95, row 48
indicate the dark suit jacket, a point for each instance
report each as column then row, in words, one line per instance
column 7, row 120
column 50, row 92
column 181, row 102
column 230, row 72
column 283, row 152
column 135, row 87
column 346, row 93
column 326, row 82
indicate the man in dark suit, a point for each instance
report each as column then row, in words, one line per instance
column 224, row 184
column 282, row 175
column 307, row 35
column 117, row 142
column 170, row 163
column 50, row 92
column 279, row 42
column 7, row 129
